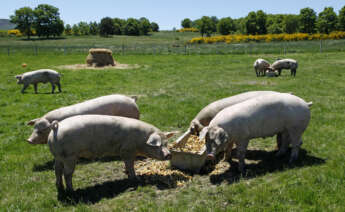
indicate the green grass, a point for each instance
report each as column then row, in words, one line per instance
column 172, row 89
column 161, row 43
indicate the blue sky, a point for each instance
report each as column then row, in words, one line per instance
column 167, row 14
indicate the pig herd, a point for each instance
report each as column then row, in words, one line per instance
column 110, row 126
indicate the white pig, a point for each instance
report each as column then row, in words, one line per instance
column 259, row 117
column 115, row 105
column 93, row 136
column 35, row 77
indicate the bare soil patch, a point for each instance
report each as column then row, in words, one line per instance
column 85, row 66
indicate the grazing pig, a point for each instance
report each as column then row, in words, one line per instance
column 260, row 66
column 115, row 105
column 42, row 75
column 93, row 136
column 260, row 117
column 284, row 64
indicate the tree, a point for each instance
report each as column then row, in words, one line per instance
column 274, row 24
column 24, row 19
column 154, row 27
column 290, row 24
column 341, row 19
column 186, row 23
column 84, row 28
column 118, row 26
column 327, row 21
column 106, row 27
column 75, row 30
column 307, row 20
column 68, row 29
column 144, row 26
column 215, row 21
column 226, row 26
column 251, row 23
column 205, row 26
column 261, row 19
column 132, row 27
column 47, row 21
column 94, row 28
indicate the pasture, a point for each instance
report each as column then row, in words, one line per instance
column 172, row 89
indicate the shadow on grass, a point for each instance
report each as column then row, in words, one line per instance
column 49, row 165
column 111, row 189
column 42, row 38
column 268, row 163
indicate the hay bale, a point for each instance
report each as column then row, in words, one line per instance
column 100, row 57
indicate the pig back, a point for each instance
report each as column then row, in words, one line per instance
column 115, row 105
column 98, row 135
column 211, row 110
column 264, row 116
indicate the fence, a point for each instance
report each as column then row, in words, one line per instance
column 191, row 49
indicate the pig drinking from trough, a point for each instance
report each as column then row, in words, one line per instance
column 259, row 117
column 91, row 136
column 284, row 64
column 115, row 105
column 35, row 77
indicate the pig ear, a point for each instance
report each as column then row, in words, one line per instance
column 203, row 132
column 54, row 125
column 154, row 140
column 135, row 98
column 170, row 134
column 32, row 122
column 223, row 136
column 18, row 76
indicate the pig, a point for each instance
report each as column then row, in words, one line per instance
column 41, row 75
column 284, row 64
column 260, row 66
column 203, row 118
column 93, row 136
column 260, row 117
column 116, row 105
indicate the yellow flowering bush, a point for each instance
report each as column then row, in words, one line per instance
column 267, row 37
column 188, row 30
column 14, row 32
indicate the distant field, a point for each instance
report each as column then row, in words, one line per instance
column 160, row 43
column 172, row 89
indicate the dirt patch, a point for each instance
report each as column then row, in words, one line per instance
column 84, row 66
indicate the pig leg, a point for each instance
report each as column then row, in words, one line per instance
column 283, row 143
column 228, row 151
column 58, row 175
column 129, row 164
column 257, row 74
column 59, row 86
column 296, row 142
column 53, row 87
column 35, row 87
column 24, row 87
column 279, row 72
column 68, row 170
column 241, row 154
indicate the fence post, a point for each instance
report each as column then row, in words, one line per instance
column 36, row 50
column 8, row 51
column 123, row 48
column 320, row 46
column 185, row 49
column 64, row 50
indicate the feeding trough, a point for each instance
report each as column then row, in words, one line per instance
column 188, row 153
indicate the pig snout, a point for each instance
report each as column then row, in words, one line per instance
column 167, row 154
column 29, row 140
column 210, row 157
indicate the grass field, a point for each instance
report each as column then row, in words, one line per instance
column 161, row 43
column 172, row 89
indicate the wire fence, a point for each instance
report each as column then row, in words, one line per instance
column 184, row 49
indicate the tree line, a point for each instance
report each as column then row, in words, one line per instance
column 113, row 26
column 45, row 21
column 259, row 23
